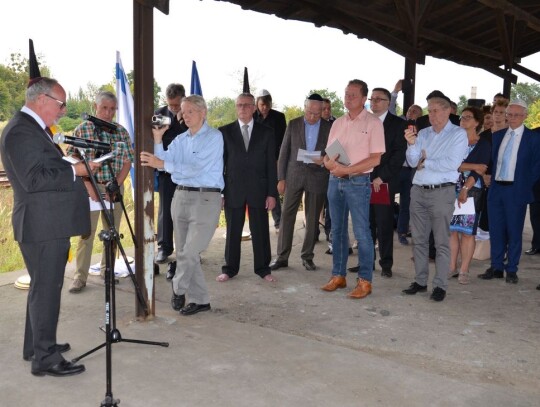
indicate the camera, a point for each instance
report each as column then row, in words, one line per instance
column 160, row 120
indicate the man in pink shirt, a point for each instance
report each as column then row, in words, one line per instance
column 361, row 134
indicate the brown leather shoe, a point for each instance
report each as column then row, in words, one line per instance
column 334, row 283
column 362, row 289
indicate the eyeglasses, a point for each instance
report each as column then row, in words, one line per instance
column 244, row 105
column 377, row 100
column 512, row 115
column 62, row 105
column 466, row 117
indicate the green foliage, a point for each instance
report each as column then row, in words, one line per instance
column 67, row 124
column 338, row 109
column 528, row 92
column 462, row 104
column 221, row 111
column 292, row 112
column 533, row 119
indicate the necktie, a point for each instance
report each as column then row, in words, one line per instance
column 51, row 135
column 245, row 135
column 505, row 164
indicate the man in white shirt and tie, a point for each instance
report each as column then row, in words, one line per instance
column 516, row 168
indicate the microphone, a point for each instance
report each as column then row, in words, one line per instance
column 98, row 122
column 82, row 143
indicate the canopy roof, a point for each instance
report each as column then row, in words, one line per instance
column 490, row 34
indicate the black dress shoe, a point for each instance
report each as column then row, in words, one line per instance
column 354, row 269
column 438, row 294
column 277, row 264
column 511, row 278
column 193, row 308
column 538, row 287
column 415, row 288
column 171, row 270
column 386, row 273
column 309, row 265
column 178, row 301
column 64, row 368
column 491, row 273
column 59, row 347
column 156, row 269
column 162, row 256
column 532, row 251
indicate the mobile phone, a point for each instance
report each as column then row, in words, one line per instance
column 411, row 125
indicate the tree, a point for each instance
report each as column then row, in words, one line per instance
column 292, row 112
column 221, row 111
column 462, row 104
column 533, row 119
column 338, row 109
column 528, row 92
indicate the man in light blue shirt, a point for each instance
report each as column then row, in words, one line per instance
column 437, row 152
column 195, row 161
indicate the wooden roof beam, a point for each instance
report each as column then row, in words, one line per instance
column 518, row 13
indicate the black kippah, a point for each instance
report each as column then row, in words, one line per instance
column 315, row 96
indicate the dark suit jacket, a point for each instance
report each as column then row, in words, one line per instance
column 275, row 120
column 392, row 160
column 310, row 177
column 47, row 203
column 527, row 171
column 250, row 176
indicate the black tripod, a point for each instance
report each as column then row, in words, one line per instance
column 109, row 238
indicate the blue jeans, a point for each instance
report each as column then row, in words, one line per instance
column 352, row 195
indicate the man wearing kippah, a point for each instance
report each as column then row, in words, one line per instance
column 298, row 174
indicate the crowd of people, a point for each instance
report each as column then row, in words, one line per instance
column 454, row 175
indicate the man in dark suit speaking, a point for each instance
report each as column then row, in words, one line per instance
column 250, row 180
column 50, row 204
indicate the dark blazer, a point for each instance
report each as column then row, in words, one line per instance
column 392, row 160
column 47, row 203
column 310, row 177
column 250, row 176
column 275, row 120
column 527, row 171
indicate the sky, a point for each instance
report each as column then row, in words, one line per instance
column 78, row 41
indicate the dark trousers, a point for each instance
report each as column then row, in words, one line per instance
column 165, row 224
column 405, row 184
column 534, row 216
column 45, row 262
column 260, row 239
column 381, row 222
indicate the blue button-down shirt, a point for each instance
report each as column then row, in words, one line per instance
column 312, row 134
column 195, row 160
column 444, row 152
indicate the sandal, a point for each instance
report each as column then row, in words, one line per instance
column 453, row 274
column 270, row 278
column 463, row 277
column 222, row 278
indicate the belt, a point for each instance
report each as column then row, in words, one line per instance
column 353, row 176
column 443, row 185
column 505, row 183
column 197, row 189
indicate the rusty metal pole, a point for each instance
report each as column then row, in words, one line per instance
column 143, row 54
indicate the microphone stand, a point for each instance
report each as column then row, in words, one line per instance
column 112, row 334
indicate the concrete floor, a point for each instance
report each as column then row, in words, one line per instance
column 290, row 344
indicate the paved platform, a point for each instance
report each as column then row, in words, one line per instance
column 290, row 344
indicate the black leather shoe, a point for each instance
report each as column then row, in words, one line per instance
column 491, row 273
column 178, row 301
column 171, row 270
column 277, row 264
column 386, row 273
column 193, row 308
column 354, row 269
column 415, row 288
column 59, row 347
column 64, row 368
column 309, row 265
column 438, row 294
column 511, row 278
column 532, row 251
column 538, row 287
column 162, row 256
